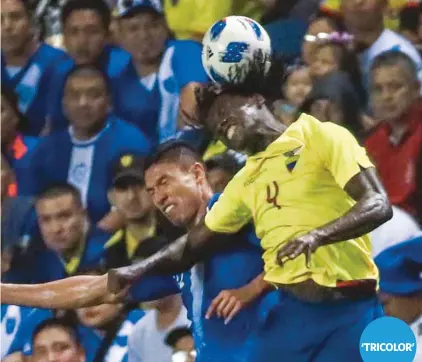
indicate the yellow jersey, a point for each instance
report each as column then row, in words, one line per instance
column 292, row 187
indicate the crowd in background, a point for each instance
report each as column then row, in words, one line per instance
column 90, row 87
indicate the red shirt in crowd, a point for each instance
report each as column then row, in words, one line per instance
column 399, row 165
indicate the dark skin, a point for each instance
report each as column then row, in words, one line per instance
column 245, row 124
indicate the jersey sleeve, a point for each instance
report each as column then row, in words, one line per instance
column 152, row 288
column 229, row 214
column 187, row 64
column 340, row 152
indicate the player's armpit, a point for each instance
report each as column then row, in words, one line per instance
column 70, row 293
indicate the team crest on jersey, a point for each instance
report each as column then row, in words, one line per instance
column 292, row 157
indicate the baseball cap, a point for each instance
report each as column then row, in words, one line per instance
column 400, row 267
column 126, row 7
column 128, row 167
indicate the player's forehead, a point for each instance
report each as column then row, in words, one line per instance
column 225, row 105
column 159, row 170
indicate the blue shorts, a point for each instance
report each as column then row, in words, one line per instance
column 303, row 332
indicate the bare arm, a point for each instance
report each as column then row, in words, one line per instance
column 70, row 293
column 179, row 256
column 111, row 222
column 370, row 211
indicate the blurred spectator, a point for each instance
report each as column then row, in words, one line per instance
column 401, row 285
column 190, row 19
column 334, row 53
column 396, row 144
column 130, row 197
column 182, row 343
column 221, row 169
column 146, row 343
column 18, row 221
column 334, row 99
column 411, row 24
column 17, row 323
column 364, row 20
column 297, row 86
column 57, row 340
column 71, row 242
column 27, row 65
column 81, row 154
column 399, row 228
column 16, row 148
column 170, row 67
column 85, row 25
column 105, row 329
column 321, row 25
column 390, row 14
column 17, row 326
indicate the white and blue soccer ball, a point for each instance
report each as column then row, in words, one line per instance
column 230, row 44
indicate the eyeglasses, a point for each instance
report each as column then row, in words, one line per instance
column 183, row 356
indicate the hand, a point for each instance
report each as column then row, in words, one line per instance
column 305, row 244
column 119, row 279
column 229, row 303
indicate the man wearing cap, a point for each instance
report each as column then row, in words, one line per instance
column 165, row 67
column 400, row 269
column 129, row 196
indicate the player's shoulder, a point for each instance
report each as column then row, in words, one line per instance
column 118, row 60
column 53, row 52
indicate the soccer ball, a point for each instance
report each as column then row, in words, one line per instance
column 230, row 44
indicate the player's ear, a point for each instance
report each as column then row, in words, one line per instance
column 199, row 171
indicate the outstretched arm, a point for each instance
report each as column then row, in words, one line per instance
column 70, row 293
column 179, row 256
column 372, row 209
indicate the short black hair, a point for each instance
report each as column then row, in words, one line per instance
column 174, row 151
column 63, row 323
column 392, row 58
column 99, row 6
column 176, row 334
column 226, row 161
column 247, row 79
column 60, row 189
column 13, row 100
column 88, row 69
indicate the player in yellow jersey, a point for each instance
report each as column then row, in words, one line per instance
column 309, row 189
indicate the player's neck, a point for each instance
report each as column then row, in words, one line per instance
column 265, row 136
column 85, row 134
column 20, row 57
column 205, row 199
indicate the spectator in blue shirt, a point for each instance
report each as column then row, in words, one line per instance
column 70, row 242
column 161, row 64
column 57, row 340
column 85, row 25
column 81, row 154
column 16, row 147
column 26, row 65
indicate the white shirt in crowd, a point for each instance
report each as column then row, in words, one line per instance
column 399, row 228
column 146, row 343
column 388, row 40
column 417, row 330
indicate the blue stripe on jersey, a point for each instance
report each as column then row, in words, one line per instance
column 17, row 326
